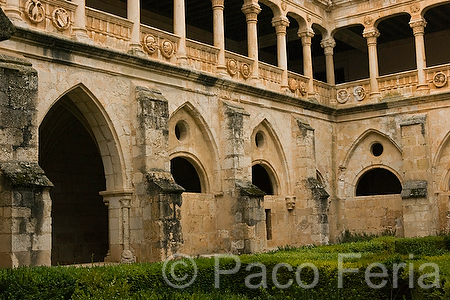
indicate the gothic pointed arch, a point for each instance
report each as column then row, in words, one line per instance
column 190, row 134
column 266, row 146
column 78, row 151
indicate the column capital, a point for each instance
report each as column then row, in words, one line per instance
column 418, row 26
column 217, row 4
column 280, row 24
column 328, row 44
column 371, row 34
column 251, row 11
column 307, row 32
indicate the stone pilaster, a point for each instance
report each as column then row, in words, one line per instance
column 79, row 32
column 328, row 45
column 156, row 233
column 134, row 14
column 242, row 202
column 371, row 34
column 179, row 28
column 417, row 204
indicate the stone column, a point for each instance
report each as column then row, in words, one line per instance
column 251, row 11
column 328, row 44
column 219, row 35
column 418, row 27
column 306, row 36
column 280, row 25
column 179, row 28
column 134, row 14
column 371, row 34
column 12, row 10
column 79, row 31
column 127, row 255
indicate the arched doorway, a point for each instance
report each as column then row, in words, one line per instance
column 69, row 155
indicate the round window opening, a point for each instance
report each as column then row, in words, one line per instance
column 260, row 139
column 377, row 149
column 181, row 130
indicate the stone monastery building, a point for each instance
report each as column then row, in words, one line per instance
column 132, row 130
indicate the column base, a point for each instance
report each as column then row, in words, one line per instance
column 422, row 89
column 136, row 50
column 80, row 35
column 182, row 61
column 222, row 71
column 15, row 16
column 375, row 95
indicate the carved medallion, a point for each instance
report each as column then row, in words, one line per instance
column 302, row 89
column 342, row 96
column 245, row 70
column 61, row 18
column 368, row 20
column 359, row 93
column 414, row 8
column 440, row 79
column 292, row 84
column 35, row 11
column 167, row 48
column 232, row 66
column 149, row 43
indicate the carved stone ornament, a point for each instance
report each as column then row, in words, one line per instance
column 440, row 79
column 232, row 66
column 35, row 11
column 149, row 43
column 292, row 84
column 167, row 48
column 342, row 96
column 359, row 93
column 283, row 6
column 245, row 70
column 414, row 8
column 61, row 18
column 302, row 89
column 368, row 20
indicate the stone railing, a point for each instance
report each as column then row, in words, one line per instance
column 351, row 93
column 298, row 84
column 270, row 75
column 437, row 77
column 239, row 67
column 202, row 57
column 108, row 30
column 154, row 40
column 403, row 83
column 324, row 92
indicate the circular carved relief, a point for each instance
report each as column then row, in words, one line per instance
column 35, row 11
column 232, row 66
column 440, row 79
column 149, row 43
column 302, row 89
column 60, row 18
column 359, row 93
column 167, row 48
column 342, row 96
column 245, row 70
column 292, row 84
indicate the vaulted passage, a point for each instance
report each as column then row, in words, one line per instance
column 70, row 158
column 185, row 174
column 378, row 182
column 261, row 179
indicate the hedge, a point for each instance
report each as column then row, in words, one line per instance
column 146, row 281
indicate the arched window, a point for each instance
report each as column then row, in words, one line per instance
column 261, row 179
column 378, row 181
column 185, row 174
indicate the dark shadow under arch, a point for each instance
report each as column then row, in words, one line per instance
column 261, row 178
column 185, row 174
column 378, row 181
column 70, row 157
